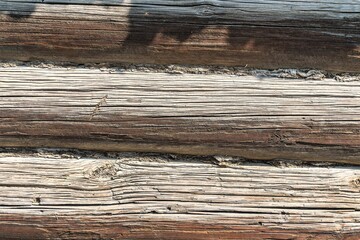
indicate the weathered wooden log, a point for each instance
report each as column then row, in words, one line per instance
column 259, row 33
column 246, row 116
column 153, row 197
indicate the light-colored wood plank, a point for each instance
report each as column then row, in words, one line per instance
column 156, row 197
column 248, row 116
column 257, row 33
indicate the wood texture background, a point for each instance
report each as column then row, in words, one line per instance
column 151, row 197
column 247, row 116
column 259, row 33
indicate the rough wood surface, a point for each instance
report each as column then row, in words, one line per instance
column 153, row 197
column 246, row 116
column 258, row 33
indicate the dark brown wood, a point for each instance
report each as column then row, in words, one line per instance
column 264, row 34
column 251, row 117
column 49, row 195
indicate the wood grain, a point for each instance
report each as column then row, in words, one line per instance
column 154, row 197
column 251, row 117
column 258, row 33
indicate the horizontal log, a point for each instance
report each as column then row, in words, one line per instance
column 66, row 196
column 260, row 33
column 248, row 116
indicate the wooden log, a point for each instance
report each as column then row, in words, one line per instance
column 260, row 33
column 152, row 197
column 252, row 117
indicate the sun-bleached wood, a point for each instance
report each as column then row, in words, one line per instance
column 257, row 33
column 251, row 117
column 154, row 197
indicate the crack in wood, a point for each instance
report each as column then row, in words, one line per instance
column 98, row 106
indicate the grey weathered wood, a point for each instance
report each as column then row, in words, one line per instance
column 252, row 117
column 257, row 33
column 49, row 196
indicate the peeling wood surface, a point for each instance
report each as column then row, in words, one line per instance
column 155, row 197
column 258, row 33
column 246, row 116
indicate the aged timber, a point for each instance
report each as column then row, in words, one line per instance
column 259, row 33
column 247, row 116
column 153, row 197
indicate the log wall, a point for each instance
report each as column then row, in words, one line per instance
column 51, row 196
column 252, row 117
column 259, row 33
